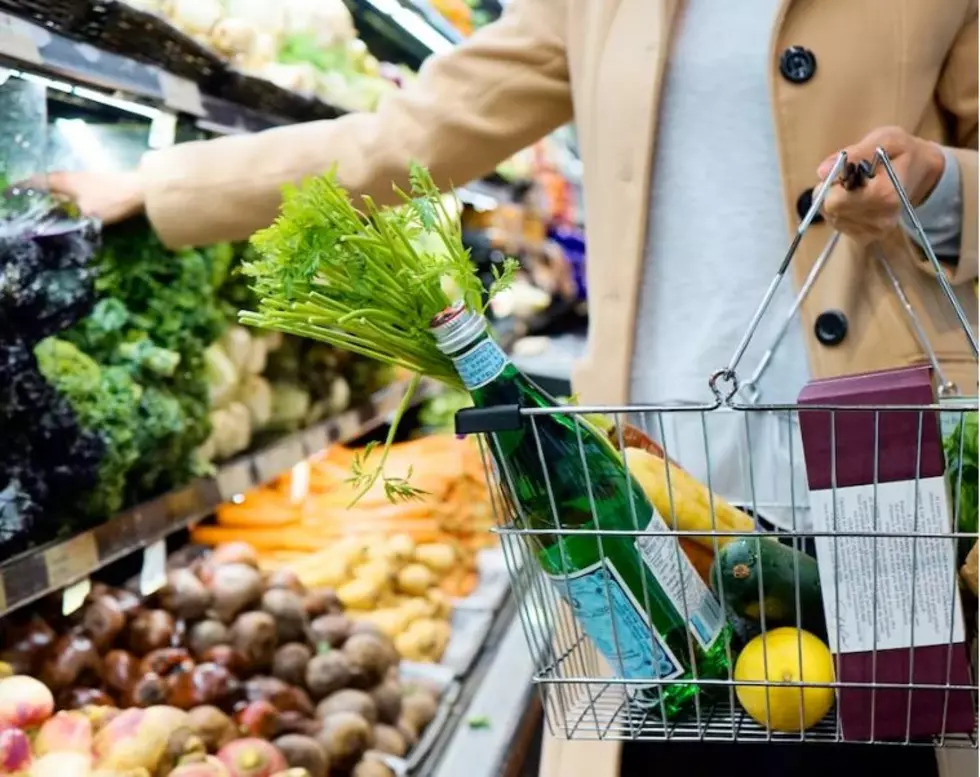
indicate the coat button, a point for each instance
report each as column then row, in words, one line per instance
column 797, row 64
column 803, row 203
column 830, row 327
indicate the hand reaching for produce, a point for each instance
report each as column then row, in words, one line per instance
column 111, row 197
column 870, row 212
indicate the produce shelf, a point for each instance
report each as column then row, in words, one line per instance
column 36, row 39
column 50, row 568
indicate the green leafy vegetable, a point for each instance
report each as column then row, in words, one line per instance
column 961, row 448
column 367, row 280
column 156, row 315
column 106, row 401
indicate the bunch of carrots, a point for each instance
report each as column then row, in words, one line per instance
column 298, row 517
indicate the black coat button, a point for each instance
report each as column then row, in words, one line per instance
column 830, row 327
column 803, row 203
column 797, row 64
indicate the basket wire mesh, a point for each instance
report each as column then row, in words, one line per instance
column 922, row 692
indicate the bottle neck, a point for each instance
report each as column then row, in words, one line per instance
column 465, row 338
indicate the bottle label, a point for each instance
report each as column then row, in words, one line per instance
column 481, row 365
column 676, row 575
column 613, row 619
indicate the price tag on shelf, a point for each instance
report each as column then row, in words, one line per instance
column 315, row 439
column 348, row 426
column 234, row 479
column 299, row 481
column 73, row 596
column 71, row 560
column 163, row 130
column 181, row 94
column 153, row 575
column 16, row 40
column 280, row 458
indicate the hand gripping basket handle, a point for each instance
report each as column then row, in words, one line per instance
column 728, row 375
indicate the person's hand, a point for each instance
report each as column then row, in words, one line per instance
column 870, row 212
column 110, row 197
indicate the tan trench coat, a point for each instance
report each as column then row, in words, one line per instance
column 911, row 63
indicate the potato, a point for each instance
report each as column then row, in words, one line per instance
column 419, row 708
column 442, row 605
column 349, row 700
column 359, row 594
column 440, row 557
column 415, row 579
column 327, row 673
column 422, row 641
column 369, row 658
column 389, row 739
column 290, row 662
column 390, row 622
column 345, row 736
column 388, row 701
column 303, row 752
column 402, row 547
column 287, row 608
column 332, row 630
column 380, row 573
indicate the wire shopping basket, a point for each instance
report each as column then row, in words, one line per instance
column 805, row 581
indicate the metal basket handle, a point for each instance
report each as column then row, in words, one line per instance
column 840, row 173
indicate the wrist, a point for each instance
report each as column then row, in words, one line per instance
column 934, row 164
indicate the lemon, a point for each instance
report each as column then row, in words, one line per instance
column 775, row 657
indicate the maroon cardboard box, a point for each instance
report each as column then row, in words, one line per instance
column 932, row 710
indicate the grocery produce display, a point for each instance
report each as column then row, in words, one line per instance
column 226, row 671
column 398, row 567
column 50, row 457
column 308, row 46
column 133, row 348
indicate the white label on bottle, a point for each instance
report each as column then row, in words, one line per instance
column 612, row 618
column 481, row 365
column 868, row 583
column 673, row 570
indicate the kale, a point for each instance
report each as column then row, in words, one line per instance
column 156, row 314
column 106, row 402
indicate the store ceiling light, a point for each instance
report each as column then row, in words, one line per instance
column 413, row 24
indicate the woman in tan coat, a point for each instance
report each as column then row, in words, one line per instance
column 703, row 127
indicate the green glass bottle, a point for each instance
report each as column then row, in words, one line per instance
column 630, row 597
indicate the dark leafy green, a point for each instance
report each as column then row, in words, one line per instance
column 157, row 313
column 963, row 477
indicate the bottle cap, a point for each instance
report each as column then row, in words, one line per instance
column 456, row 327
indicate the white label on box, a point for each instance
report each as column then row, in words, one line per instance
column 679, row 579
column 870, row 578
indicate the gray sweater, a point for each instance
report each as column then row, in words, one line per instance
column 716, row 234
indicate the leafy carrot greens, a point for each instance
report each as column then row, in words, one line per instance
column 369, row 280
